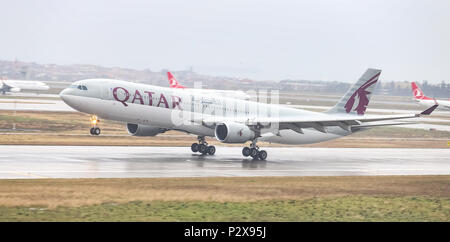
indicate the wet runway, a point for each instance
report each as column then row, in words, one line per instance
column 111, row 162
column 34, row 105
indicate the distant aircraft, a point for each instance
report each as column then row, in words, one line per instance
column 426, row 101
column 17, row 86
column 173, row 83
column 149, row 110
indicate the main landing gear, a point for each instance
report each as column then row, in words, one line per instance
column 202, row 147
column 254, row 152
column 94, row 121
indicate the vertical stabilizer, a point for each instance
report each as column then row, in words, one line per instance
column 173, row 83
column 357, row 98
column 418, row 94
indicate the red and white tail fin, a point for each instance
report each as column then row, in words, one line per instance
column 418, row 94
column 173, row 83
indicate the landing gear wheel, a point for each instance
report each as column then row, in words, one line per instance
column 202, row 148
column 194, row 147
column 246, row 151
column 255, row 156
column 253, row 152
column 94, row 121
column 262, row 155
column 211, row 150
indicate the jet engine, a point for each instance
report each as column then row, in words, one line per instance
column 233, row 133
column 14, row 89
column 144, row 130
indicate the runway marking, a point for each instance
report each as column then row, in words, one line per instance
column 27, row 174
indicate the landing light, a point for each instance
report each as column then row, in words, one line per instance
column 94, row 120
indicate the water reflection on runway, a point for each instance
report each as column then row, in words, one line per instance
column 104, row 161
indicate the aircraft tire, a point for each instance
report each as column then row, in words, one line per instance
column 202, row 148
column 211, row 150
column 253, row 152
column 246, row 151
column 194, row 147
column 262, row 154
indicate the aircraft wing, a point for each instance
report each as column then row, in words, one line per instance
column 345, row 122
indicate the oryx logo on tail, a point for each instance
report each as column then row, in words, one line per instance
column 362, row 94
column 357, row 98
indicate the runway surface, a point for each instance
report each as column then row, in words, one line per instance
column 34, row 105
column 117, row 162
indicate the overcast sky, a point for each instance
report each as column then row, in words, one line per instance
column 265, row 40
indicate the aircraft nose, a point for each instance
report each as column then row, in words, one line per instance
column 64, row 94
column 71, row 99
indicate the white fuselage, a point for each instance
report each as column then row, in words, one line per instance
column 16, row 85
column 176, row 109
column 224, row 93
column 443, row 104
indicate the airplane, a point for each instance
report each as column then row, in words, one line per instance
column 173, row 83
column 150, row 110
column 423, row 100
column 17, row 86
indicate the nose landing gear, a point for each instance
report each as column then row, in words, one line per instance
column 202, row 147
column 254, row 151
column 94, row 121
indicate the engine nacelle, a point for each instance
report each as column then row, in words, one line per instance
column 233, row 133
column 14, row 89
column 144, row 130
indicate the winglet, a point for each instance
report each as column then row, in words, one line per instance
column 428, row 111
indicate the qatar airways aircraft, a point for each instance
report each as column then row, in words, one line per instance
column 426, row 101
column 150, row 110
column 17, row 86
column 173, row 83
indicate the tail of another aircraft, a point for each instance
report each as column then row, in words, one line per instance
column 357, row 98
column 173, row 83
column 418, row 94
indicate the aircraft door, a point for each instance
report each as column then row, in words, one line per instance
column 106, row 92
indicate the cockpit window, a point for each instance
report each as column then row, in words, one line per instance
column 81, row 87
